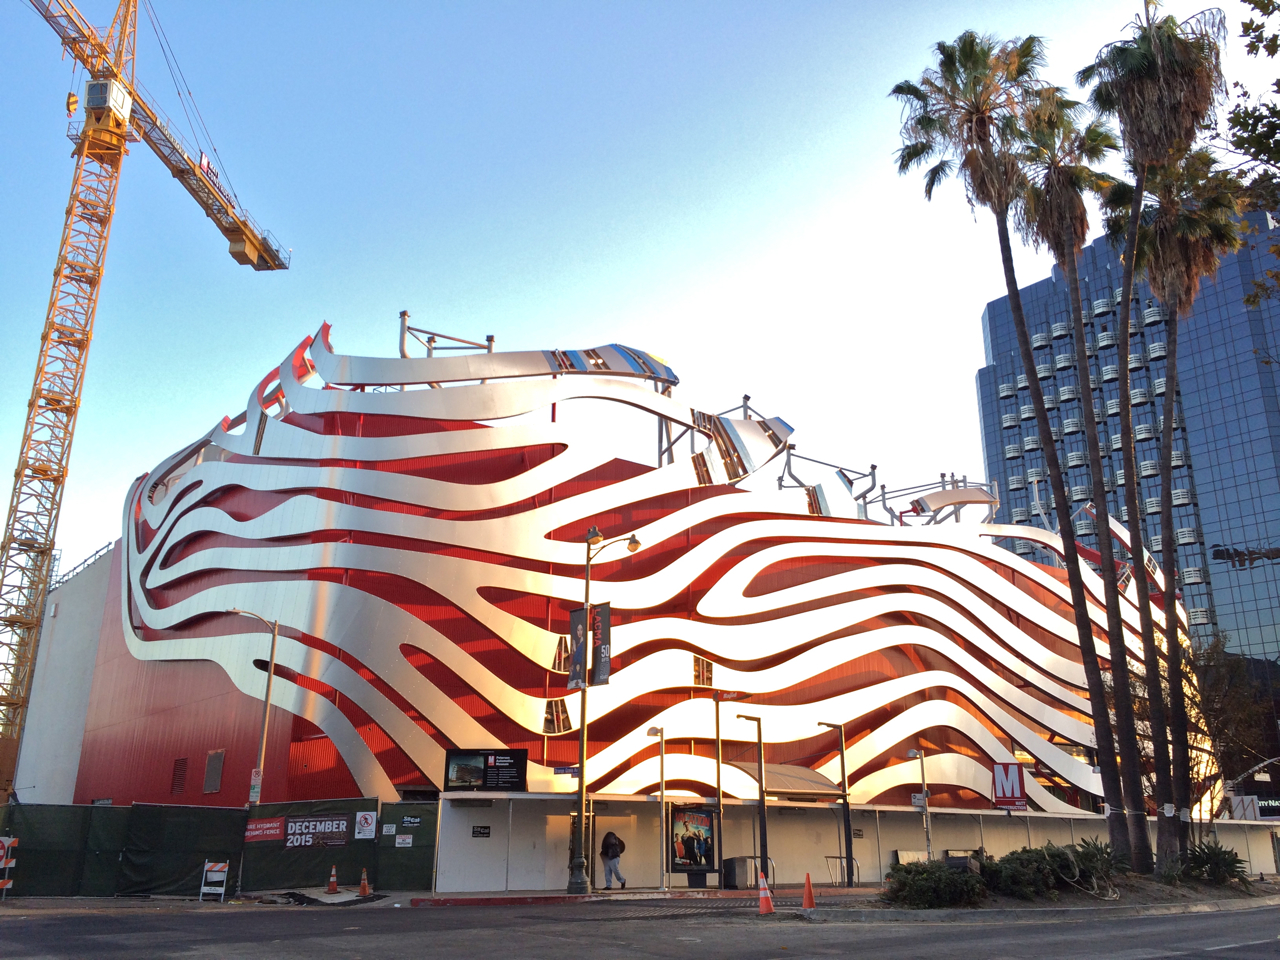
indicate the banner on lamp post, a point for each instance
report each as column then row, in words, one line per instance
column 600, row 650
column 577, row 649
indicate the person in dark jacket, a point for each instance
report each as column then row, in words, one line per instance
column 611, row 850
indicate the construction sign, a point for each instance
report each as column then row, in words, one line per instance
column 1008, row 788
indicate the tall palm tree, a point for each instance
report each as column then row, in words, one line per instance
column 963, row 116
column 1162, row 83
column 1189, row 218
column 1056, row 156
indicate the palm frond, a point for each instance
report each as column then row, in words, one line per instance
column 937, row 173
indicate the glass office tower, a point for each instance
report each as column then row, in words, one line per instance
column 1226, row 478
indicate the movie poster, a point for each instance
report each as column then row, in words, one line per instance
column 692, row 846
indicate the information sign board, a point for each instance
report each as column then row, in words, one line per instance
column 503, row 770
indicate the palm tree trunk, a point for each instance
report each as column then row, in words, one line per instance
column 1112, row 792
column 1178, row 729
column 1126, row 728
column 1079, row 604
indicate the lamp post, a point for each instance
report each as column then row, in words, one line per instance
column 844, row 790
column 764, row 822
column 660, row 733
column 578, row 882
column 924, row 797
column 266, row 703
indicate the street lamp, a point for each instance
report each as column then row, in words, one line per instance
column 924, row 799
column 844, row 790
column 663, row 838
column 764, row 822
column 578, row 882
column 255, row 783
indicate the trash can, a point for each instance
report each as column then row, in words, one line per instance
column 739, row 873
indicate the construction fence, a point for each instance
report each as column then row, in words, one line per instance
column 153, row 849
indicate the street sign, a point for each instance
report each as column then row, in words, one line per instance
column 1008, row 788
column 917, row 800
column 566, row 771
column 255, row 785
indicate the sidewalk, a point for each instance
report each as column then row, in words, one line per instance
column 515, row 897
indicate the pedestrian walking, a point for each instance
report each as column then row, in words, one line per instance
column 611, row 850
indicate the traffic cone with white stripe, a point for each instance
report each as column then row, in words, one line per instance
column 333, row 879
column 364, row 882
column 766, row 898
column 808, row 902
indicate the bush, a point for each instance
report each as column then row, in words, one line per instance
column 1213, row 863
column 1098, row 863
column 924, row 886
column 1025, row 874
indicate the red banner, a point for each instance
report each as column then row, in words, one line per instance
column 271, row 828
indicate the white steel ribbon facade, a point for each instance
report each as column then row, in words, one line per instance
column 417, row 525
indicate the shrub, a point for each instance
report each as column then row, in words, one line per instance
column 1098, row 863
column 1025, row 874
column 924, row 886
column 1213, row 863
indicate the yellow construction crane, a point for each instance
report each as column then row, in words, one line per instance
column 116, row 112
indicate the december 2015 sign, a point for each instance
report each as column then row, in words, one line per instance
column 327, row 831
column 486, row 770
column 1008, row 789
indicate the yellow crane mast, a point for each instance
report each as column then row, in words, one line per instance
column 116, row 112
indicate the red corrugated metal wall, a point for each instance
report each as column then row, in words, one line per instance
column 145, row 715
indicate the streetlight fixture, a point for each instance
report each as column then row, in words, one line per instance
column 764, row 822
column 255, row 784
column 663, row 838
column 578, row 882
column 924, row 799
column 844, row 790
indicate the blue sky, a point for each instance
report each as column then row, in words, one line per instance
column 711, row 182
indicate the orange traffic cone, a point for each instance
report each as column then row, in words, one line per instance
column 808, row 903
column 333, row 879
column 364, row 882
column 766, row 899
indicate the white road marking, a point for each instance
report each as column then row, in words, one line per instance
column 1248, row 943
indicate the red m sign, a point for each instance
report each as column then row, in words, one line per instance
column 1008, row 790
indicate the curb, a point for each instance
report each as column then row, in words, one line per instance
column 597, row 897
column 1032, row 915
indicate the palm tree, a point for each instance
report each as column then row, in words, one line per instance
column 1189, row 218
column 963, row 115
column 1056, row 157
column 1162, row 82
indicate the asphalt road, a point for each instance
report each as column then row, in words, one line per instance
column 601, row 931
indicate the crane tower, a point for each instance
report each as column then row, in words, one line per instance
column 115, row 114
